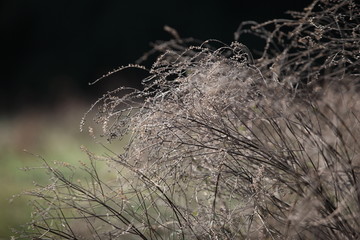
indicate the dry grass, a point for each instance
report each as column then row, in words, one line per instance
column 223, row 146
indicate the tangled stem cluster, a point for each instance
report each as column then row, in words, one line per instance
column 223, row 146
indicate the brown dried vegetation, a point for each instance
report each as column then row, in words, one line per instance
column 223, row 146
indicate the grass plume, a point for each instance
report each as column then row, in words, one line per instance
column 226, row 145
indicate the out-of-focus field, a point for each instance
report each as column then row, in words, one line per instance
column 53, row 134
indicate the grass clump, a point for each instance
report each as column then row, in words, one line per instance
column 223, row 146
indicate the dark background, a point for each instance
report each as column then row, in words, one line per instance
column 51, row 49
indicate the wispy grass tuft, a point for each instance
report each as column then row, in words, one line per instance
column 225, row 145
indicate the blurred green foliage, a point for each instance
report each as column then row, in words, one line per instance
column 54, row 136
